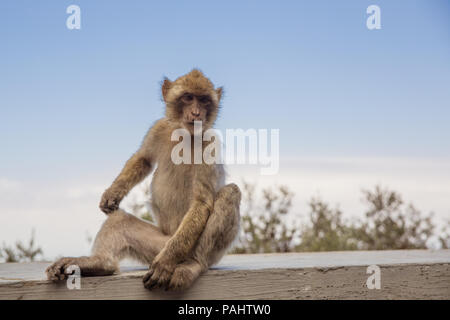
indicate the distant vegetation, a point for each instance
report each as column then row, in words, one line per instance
column 269, row 225
column 388, row 223
column 21, row 252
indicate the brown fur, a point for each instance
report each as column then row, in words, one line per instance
column 197, row 216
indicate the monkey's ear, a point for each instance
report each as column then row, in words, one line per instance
column 219, row 92
column 165, row 87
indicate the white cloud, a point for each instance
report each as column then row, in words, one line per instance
column 7, row 185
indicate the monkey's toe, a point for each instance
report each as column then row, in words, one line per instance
column 54, row 272
column 156, row 278
column 182, row 278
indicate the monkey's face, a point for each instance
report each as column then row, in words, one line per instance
column 194, row 108
column 190, row 98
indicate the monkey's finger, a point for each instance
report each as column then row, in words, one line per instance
column 151, row 279
column 56, row 273
column 52, row 277
column 51, row 274
column 174, row 283
column 61, row 272
column 102, row 207
column 155, row 280
column 152, row 283
column 112, row 206
column 147, row 276
column 171, row 286
column 108, row 208
column 57, row 270
column 163, row 280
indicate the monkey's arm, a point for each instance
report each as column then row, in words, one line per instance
column 135, row 170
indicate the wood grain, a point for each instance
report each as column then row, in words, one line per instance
column 278, row 276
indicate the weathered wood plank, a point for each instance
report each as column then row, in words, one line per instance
column 408, row 274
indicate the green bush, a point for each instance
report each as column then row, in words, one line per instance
column 388, row 223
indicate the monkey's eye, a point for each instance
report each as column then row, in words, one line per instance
column 187, row 97
column 204, row 99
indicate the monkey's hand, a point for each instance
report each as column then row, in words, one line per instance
column 111, row 199
column 160, row 272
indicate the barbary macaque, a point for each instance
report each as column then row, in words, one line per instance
column 197, row 215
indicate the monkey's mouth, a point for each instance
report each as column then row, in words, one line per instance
column 191, row 122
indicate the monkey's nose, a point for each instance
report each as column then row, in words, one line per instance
column 195, row 113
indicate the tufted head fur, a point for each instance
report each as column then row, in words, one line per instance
column 193, row 85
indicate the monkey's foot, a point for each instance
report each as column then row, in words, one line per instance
column 158, row 277
column 61, row 269
column 88, row 266
column 184, row 275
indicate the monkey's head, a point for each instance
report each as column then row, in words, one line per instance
column 190, row 98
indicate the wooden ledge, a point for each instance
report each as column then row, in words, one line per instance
column 404, row 274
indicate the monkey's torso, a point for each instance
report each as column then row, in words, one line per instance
column 172, row 186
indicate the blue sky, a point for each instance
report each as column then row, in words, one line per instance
column 312, row 69
column 75, row 104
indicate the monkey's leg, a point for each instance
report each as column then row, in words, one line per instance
column 220, row 231
column 122, row 235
